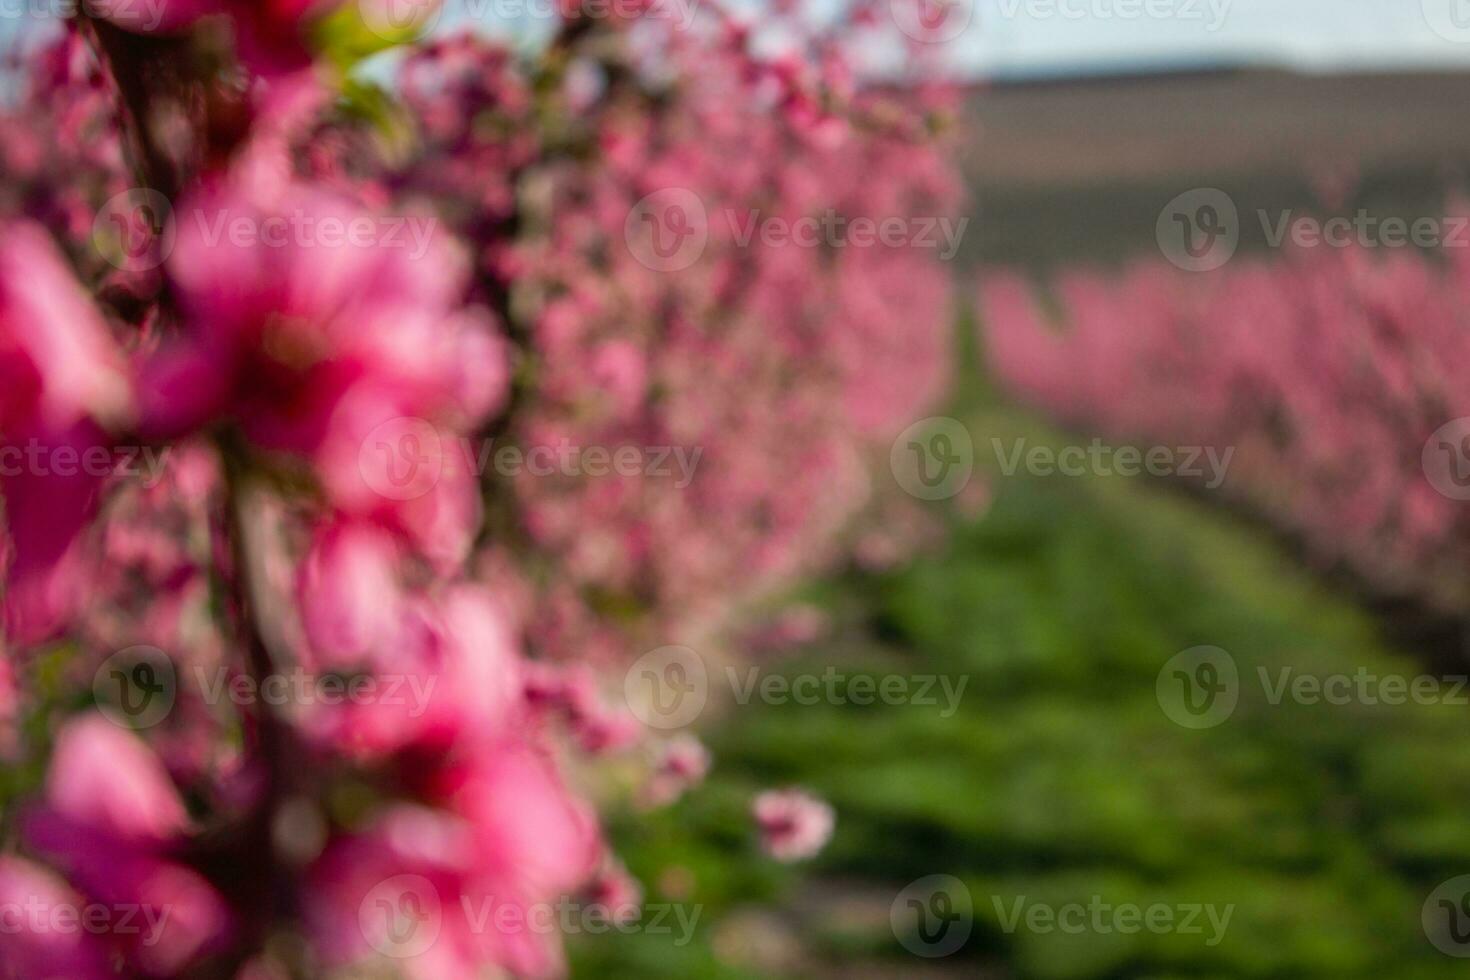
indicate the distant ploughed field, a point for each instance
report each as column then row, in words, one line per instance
column 1080, row 168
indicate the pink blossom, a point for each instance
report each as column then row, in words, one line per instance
column 509, row 839
column 112, row 820
column 56, row 353
column 446, row 672
column 534, row 837
column 575, row 696
column 62, row 379
column 680, row 764
column 31, row 946
column 317, row 346
column 793, row 824
column 270, row 34
column 616, row 892
column 350, row 598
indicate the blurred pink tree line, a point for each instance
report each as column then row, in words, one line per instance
column 320, row 311
column 1334, row 374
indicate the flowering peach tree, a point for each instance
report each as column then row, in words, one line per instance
column 358, row 431
column 1331, row 376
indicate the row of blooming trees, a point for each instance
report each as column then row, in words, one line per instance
column 354, row 438
column 1334, row 374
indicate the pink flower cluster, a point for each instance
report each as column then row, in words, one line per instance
column 283, row 362
column 1325, row 370
column 793, row 824
column 778, row 368
column 337, row 658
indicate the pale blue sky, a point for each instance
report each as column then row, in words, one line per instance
column 1306, row 34
column 1011, row 36
column 1025, row 36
